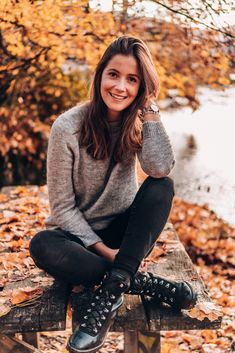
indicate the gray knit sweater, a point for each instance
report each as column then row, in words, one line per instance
column 85, row 195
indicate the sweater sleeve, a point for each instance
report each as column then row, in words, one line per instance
column 156, row 156
column 60, row 187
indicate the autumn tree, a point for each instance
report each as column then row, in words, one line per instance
column 38, row 43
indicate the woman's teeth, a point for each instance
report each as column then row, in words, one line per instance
column 117, row 96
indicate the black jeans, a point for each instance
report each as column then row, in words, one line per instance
column 134, row 232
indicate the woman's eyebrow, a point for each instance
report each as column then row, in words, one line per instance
column 111, row 69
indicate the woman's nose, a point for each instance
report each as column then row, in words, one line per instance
column 120, row 85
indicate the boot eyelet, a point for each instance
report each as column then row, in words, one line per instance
column 167, row 286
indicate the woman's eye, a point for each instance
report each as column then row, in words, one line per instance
column 112, row 74
column 133, row 79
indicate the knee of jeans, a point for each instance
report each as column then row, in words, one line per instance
column 162, row 188
column 38, row 245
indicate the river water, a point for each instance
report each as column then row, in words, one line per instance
column 204, row 146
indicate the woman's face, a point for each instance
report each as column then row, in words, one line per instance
column 120, row 84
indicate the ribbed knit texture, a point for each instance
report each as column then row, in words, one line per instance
column 79, row 201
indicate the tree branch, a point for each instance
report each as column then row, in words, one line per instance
column 178, row 12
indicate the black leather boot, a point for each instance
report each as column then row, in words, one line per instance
column 179, row 295
column 99, row 314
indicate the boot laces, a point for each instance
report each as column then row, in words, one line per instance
column 158, row 287
column 97, row 311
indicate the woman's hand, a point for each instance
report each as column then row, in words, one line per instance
column 111, row 254
column 101, row 249
column 148, row 100
column 143, row 266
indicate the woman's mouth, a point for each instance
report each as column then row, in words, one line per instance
column 117, row 96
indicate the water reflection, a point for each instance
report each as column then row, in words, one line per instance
column 204, row 146
column 190, row 149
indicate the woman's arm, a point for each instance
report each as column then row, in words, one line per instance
column 101, row 249
column 156, row 156
column 60, row 187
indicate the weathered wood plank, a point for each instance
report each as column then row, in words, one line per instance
column 32, row 338
column 131, row 315
column 130, row 341
column 176, row 265
column 47, row 313
column 10, row 345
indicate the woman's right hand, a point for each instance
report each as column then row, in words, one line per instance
column 103, row 250
column 111, row 254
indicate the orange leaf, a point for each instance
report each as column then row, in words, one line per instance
column 205, row 310
column 27, row 293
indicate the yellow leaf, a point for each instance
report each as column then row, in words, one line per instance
column 224, row 81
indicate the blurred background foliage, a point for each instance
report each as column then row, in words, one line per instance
column 49, row 50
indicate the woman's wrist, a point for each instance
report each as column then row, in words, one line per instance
column 98, row 247
column 150, row 111
column 151, row 117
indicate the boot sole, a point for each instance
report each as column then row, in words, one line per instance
column 95, row 349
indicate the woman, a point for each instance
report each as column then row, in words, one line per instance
column 101, row 226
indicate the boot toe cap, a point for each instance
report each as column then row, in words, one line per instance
column 81, row 342
column 189, row 297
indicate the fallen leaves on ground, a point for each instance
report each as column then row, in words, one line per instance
column 23, row 211
column 200, row 229
column 205, row 310
column 209, row 241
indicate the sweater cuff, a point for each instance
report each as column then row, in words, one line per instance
column 90, row 239
column 153, row 128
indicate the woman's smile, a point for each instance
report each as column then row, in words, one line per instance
column 117, row 97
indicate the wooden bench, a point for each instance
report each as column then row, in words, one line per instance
column 139, row 318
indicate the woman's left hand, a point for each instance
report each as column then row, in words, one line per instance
column 143, row 266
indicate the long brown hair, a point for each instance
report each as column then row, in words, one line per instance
column 94, row 133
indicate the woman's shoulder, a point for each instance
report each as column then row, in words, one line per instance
column 70, row 120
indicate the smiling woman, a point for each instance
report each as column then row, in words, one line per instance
column 102, row 225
